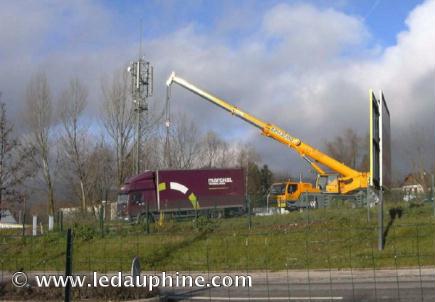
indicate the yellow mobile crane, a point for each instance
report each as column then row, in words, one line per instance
column 343, row 180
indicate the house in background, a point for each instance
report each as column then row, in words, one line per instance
column 415, row 184
column 7, row 220
column 7, row 217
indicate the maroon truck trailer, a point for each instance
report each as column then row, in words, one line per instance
column 183, row 193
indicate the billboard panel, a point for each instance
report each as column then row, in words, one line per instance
column 375, row 138
column 380, row 142
column 385, row 144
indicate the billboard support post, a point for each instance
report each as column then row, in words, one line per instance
column 381, row 220
column 368, row 204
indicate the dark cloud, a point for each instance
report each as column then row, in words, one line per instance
column 294, row 69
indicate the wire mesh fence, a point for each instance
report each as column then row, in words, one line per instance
column 312, row 253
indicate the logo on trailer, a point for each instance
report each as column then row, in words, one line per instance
column 219, row 181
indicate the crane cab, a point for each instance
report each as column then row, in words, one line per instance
column 286, row 193
column 328, row 183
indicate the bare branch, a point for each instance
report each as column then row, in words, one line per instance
column 39, row 117
column 118, row 120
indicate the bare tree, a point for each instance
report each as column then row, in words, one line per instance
column 246, row 157
column 15, row 162
column 74, row 146
column 101, row 172
column 214, row 150
column 364, row 145
column 118, row 117
column 348, row 148
column 39, row 118
column 152, row 158
column 152, row 153
column 245, row 154
column 184, row 143
column 417, row 149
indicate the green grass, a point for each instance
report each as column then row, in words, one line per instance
column 323, row 238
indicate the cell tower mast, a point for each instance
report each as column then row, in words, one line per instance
column 141, row 88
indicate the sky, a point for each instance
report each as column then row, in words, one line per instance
column 306, row 66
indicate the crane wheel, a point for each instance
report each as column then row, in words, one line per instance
column 314, row 204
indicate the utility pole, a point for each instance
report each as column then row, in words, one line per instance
column 142, row 87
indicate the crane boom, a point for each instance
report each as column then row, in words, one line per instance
column 350, row 180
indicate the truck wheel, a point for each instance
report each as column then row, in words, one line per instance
column 290, row 209
column 215, row 214
column 141, row 218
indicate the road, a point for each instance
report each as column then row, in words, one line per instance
column 294, row 285
column 357, row 285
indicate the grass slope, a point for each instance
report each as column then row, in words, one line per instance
column 324, row 238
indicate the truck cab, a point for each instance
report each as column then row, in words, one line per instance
column 122, row 206
column 288, row 193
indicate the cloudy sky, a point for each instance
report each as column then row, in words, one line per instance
column 306, row 66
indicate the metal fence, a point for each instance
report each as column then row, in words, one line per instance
column 328, row 253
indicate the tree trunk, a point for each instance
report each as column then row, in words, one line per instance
column 83, row 196
column 50, row 198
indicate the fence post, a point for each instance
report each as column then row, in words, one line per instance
column 57, row 220
column 249, row 213
column 35, row 225
column 148, row 218
column 61, row 220
column 68, row 264
column 50, row 223
column 267, row 202
column 433, row 195
column 24, row 223
column 101, row 216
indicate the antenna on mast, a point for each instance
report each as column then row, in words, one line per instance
column 140, row 37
